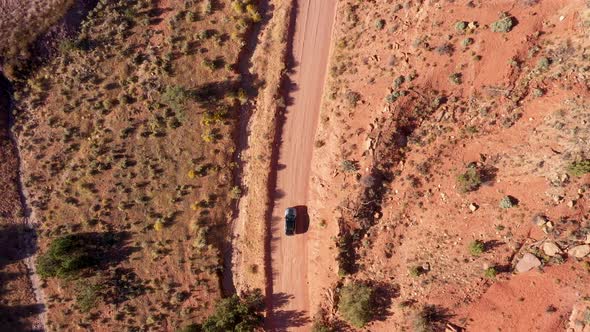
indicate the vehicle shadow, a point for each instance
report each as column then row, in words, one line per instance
column 302, row 225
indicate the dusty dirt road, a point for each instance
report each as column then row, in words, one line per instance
column 311, row 48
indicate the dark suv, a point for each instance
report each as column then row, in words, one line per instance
column 290, row 220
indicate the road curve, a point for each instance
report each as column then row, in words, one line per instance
column 289, row 302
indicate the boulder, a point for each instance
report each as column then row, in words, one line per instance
column 527, row 263
column 551, row 249
column 580, row 251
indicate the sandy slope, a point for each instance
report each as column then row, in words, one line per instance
column 290, row 299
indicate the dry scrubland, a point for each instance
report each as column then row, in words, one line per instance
column 20, row 23
column 453, row 155
column 127, row 146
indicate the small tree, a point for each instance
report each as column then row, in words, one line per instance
column 356, row 304
column 65, row 257
column 237, row 313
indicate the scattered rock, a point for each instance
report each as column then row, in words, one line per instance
column 473, row 207
column 527, row 263
column 571, row 203
column 551, row 249
column 580, row 251
column 578, row 321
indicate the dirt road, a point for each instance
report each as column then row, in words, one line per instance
column 311, row 46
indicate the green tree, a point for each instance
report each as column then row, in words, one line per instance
column 65, row 257
column 236, row 313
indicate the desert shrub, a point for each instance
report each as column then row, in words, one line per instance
column 428, row 319
column 476, row 248
column 470, row 180
column 504, row 24
column 537, row 92
column 158, row 225
column 445, row 49
column 235, row 192
column 253, row 13
column 379, row 24
column 352, row 98
column 356, row 304
column 456, row 78
column 236, row 313
column 467, row 41
column 461, row 26
column 507, row 202
column 88, row 296
column 65, row 257
column 579, row 168
column 175, row 96
column 490, row 272
column 543, row 63
column 349, row 166
column 416, row 271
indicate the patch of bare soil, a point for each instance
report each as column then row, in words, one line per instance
column 446, row 161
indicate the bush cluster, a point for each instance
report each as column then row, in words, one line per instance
column 356, row 304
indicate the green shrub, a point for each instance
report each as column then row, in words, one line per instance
column 65, row 257
column 579, row 168
column 461, row 26
column 237, row 313
column 504, row 24
column 490, row 272
column 356, row 304
column 470, row 180
column 476, row 248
